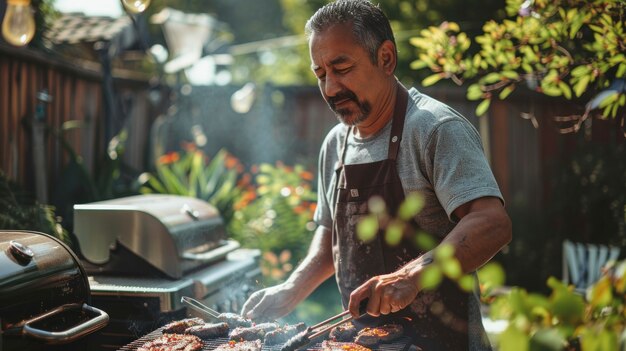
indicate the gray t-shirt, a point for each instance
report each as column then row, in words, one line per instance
column 440, row 156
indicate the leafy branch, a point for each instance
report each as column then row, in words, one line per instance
column 562, row 48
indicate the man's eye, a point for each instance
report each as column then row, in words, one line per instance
column 342, row 70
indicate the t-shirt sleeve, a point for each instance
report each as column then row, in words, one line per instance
column 322, row 215
column 459, row 169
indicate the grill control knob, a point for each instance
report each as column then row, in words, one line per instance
column 22, row 253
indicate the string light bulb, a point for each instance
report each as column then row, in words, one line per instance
column 18, row 26
column 136, row 6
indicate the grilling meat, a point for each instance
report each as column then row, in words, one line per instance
column 234, row 320
column 343, row 332
column 329, row 345
column 282, row 334
column 385, row 333
column 173, row 342
column 179, row 327
column 208, row 330
column 254, row 345
column 255, row 332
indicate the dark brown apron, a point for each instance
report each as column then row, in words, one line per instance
column 436, row 320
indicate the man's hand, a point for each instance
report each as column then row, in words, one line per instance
column 387, row 293
column 270, row 303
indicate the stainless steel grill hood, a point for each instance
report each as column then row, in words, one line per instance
column 174, row 234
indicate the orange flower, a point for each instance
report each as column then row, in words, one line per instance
column 187, row 146
column 168, row 158
column 245, row 180
column 306, row 175
column 230, row 161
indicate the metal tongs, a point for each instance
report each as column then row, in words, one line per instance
column 320, row 328
column 199, row 306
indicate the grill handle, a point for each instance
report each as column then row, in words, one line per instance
column 70, row 334
column 213, row 254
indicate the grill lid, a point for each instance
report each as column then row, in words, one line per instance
column 43, row 290
column 172, row 233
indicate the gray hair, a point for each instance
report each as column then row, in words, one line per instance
column 370, row 26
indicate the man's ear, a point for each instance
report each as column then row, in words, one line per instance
column 387, row 59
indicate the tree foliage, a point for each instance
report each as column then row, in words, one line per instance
column 562, row 48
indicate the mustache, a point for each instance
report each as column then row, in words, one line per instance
column 342, row 95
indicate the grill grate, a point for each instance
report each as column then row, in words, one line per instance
column 401, row 344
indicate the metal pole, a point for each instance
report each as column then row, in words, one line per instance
column 39, row 149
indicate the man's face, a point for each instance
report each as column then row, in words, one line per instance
column 347, row 78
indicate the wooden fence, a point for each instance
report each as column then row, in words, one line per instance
column 519, row 153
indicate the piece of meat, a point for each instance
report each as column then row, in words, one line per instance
column 255, row 332
column 329, row 345
column 254, row 345
column 209, row 330
column 280, row 335
column 343, row 332
column 173, row 342
column 234, row 320
column 179, row 327
column 373, row 336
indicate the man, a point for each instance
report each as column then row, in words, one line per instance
column 389, row 143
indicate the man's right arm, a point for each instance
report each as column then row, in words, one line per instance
column 279, row 300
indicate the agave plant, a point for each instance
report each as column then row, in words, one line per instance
column 191, row 173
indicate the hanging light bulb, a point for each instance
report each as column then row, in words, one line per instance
column 136, row 6
column 18, row 26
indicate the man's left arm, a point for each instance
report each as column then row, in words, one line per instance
column 483, row 229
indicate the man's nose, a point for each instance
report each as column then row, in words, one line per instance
column 331, row 86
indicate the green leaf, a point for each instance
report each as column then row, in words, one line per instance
column 568, row 307
column 506, row 91
column 393, row 234
column 513, row 339
column 482, row 107
column 467, row 283
column 491, row 78
column 451, row 268
column 418, row 64
column 581, row 85
column 367, row 228
column 601, row 293
column 609, row 99
column 511, row 75
column 411, row 206
column 425, row 241
column 580, row 71
column 621, row 70
column 444, row 252
column 567, row 91
column 430, row 80
column 474, row 92
column 431, row 277
column 547, row 340
column 491, row 275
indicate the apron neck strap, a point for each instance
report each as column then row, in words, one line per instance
column 397, row 125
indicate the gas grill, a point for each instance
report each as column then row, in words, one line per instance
column 143, row 253
column 401, row 344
